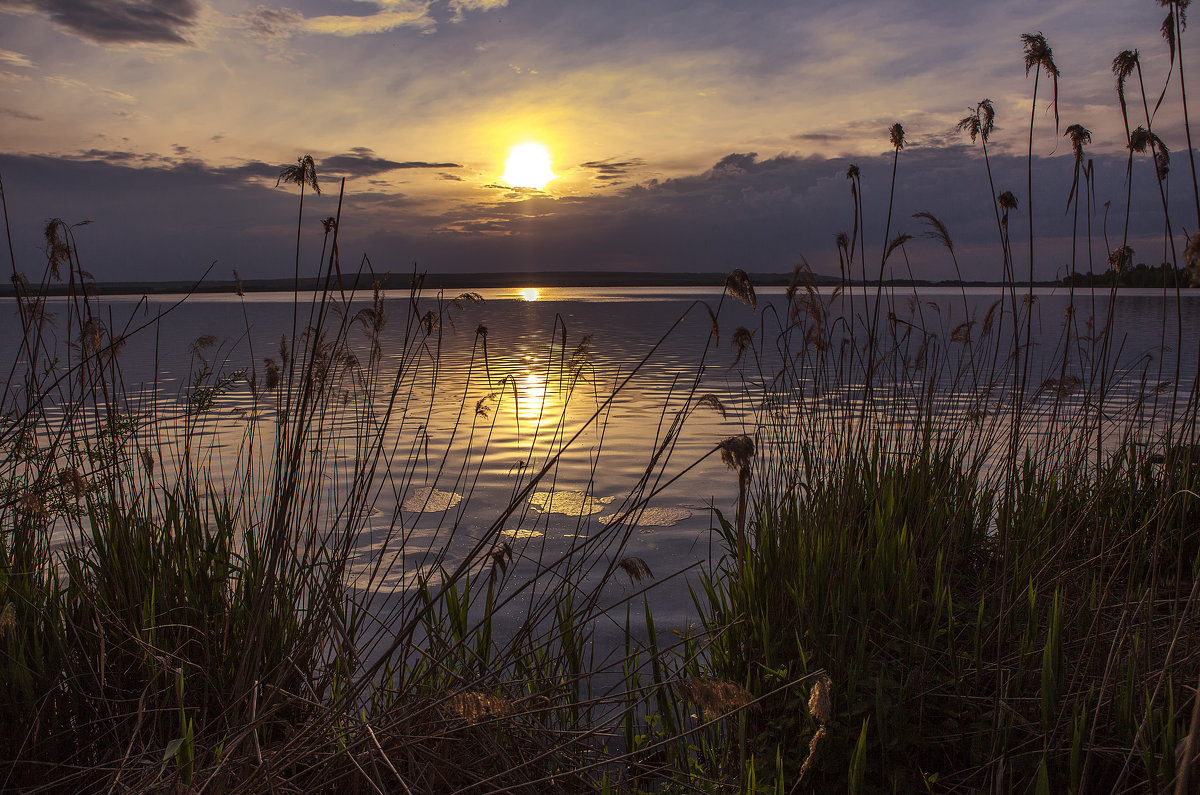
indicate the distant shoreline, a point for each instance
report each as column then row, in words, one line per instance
column 463, row 281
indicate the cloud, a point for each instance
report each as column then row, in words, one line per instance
column 389, row 15
column 460, row 7
column 70, row 82
column 117, row 21
column 17, row 114
column 14, row 58
column 273, row 22
column 613, row 170
column 362, row 162
column 12, row 77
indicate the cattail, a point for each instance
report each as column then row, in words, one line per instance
column 237, row 281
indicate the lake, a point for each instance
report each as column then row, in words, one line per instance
column 589, row 384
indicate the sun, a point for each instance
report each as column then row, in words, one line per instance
column 528, row 166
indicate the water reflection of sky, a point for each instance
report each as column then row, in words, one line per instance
column 477, row 416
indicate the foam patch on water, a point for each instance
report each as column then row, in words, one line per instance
column 654, row 517
column 430, row 500
column 571, row 503
column 517, row 532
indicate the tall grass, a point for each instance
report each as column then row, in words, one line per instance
column 301, row 613
column 993, row 554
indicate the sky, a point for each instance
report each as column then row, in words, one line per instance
column 686, row 135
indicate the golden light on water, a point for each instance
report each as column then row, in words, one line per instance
column 528, row 166
column 530, row 294
column 536, row 397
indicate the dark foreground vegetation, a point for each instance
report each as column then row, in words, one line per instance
column 953, row 566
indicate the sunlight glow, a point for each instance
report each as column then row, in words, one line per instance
column 529, row 294
column 528, row 166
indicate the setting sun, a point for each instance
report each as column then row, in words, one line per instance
column 528, row 166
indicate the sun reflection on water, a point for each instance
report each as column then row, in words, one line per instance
column 530, row 294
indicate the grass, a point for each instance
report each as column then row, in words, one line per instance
column 953, row 566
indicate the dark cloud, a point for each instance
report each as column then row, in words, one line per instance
column 362, row 162
column 157, row 216
column 19, row 114
column 613, row 170
column 118, row 21
column 732, row 165
column 450, row 177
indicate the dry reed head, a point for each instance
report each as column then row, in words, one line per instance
column 8, row 619
column 715, row 697
column 304, row 172
column 713, row 402
column 990, row 317
column 1038, row 54
column 1122, row 67
column 58, row 251
column 73, row 482
column 32, row 506
column 715, row 328
column 743, row 338
column 636, row 568
column 896, row 136
column 737, row 284
column 897, row 242
column 962, row 332
column 1120, row 258
column 147, row 460
column 272, row 376
column 472, row 706
column 737, row 452
column 329, row 224
column 820, row 699
column 937, row 229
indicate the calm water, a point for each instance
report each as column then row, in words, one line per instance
column 469, row 429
